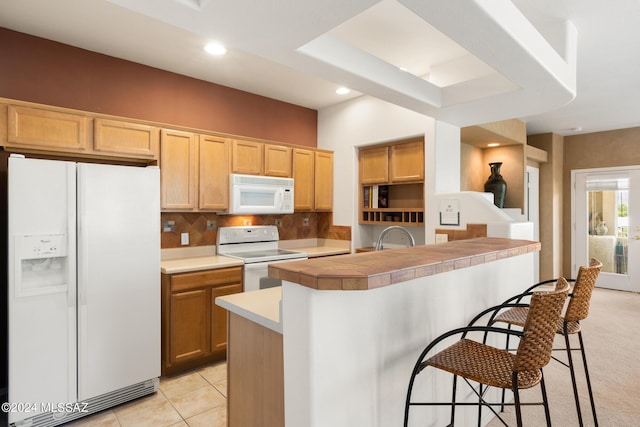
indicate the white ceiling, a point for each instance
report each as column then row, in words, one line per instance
column 556, row 64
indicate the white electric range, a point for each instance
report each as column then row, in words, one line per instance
column 257, row 246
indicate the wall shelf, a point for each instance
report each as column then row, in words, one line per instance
column 391, row 216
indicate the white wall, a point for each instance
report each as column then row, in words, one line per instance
column 477, row 208
column 365, row 121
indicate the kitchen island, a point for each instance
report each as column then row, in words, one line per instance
column 353, row 325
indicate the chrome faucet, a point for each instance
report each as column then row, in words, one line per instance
column 378, row 246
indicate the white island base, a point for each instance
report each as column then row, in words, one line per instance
column 348, row 354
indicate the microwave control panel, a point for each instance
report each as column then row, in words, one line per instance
column 287, row 198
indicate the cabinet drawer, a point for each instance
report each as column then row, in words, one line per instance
column 184, row 281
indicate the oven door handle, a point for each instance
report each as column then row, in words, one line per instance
column 256, row 265
column 262, row 264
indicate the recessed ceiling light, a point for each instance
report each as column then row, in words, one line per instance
column 215, row 48
column 342, row 91
column 493, row 144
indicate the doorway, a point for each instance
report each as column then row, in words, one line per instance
column 606, row 212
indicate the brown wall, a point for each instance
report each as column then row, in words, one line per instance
column 594, row 150
column 42, row 71
column 39, row 70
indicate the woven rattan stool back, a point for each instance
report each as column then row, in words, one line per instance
column 578, row 307
column 534, row 350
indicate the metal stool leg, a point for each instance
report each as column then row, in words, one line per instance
column 545, row 402
column 516, row 397
column 480, row 405
column 586, row 372
column 573, row 375
column 453, row 400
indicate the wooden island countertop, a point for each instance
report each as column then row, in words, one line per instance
column 370, row 270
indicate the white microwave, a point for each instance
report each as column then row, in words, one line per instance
column 254, row 194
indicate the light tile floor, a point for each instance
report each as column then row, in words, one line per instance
column 196, row 398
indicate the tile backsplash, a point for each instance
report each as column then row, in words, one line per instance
column 202, row 227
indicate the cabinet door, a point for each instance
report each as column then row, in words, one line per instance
column 277, row 160
column 303, row 179
column 214, row 172
column 323, row 181
column 407, row 162
column 47, row 130
column 178, row 170
column 374, row 165
column 246, row 157
column 124, row 139
column 219, row 317
column 189, row 325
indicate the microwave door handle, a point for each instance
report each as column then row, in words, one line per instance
column 279, row 199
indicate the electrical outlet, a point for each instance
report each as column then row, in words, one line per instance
column 211, row 225
column 305, row 221
column 184, row 238
column 278, row 222
column 169, row 226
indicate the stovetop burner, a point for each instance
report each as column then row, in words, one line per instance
column 253, row 244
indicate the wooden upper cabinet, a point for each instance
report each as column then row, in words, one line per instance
column 323, row 181
column 277, row 160
column 406, row 162
column 303, row 179
column 214, row 172
column 258, row 158
column 35, row 128
column 374, row 165
column 132, row 140
column 178, row 170
column 312, row 180
column 247, row 157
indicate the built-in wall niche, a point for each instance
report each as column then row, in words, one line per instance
column 393, row 204
column 475, row 156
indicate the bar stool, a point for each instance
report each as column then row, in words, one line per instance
column 577, row 310
column 494, row 367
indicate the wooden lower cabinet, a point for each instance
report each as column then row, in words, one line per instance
column 255, row 380
column 194, row 328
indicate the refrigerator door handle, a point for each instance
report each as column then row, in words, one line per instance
column 83, row 267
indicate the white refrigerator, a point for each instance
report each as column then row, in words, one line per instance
column 83, row 288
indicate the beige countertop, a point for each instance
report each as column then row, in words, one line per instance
column 262, row 307
column 317, row 247
column 183, row 260
column 369, row 270
column 184, row 265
